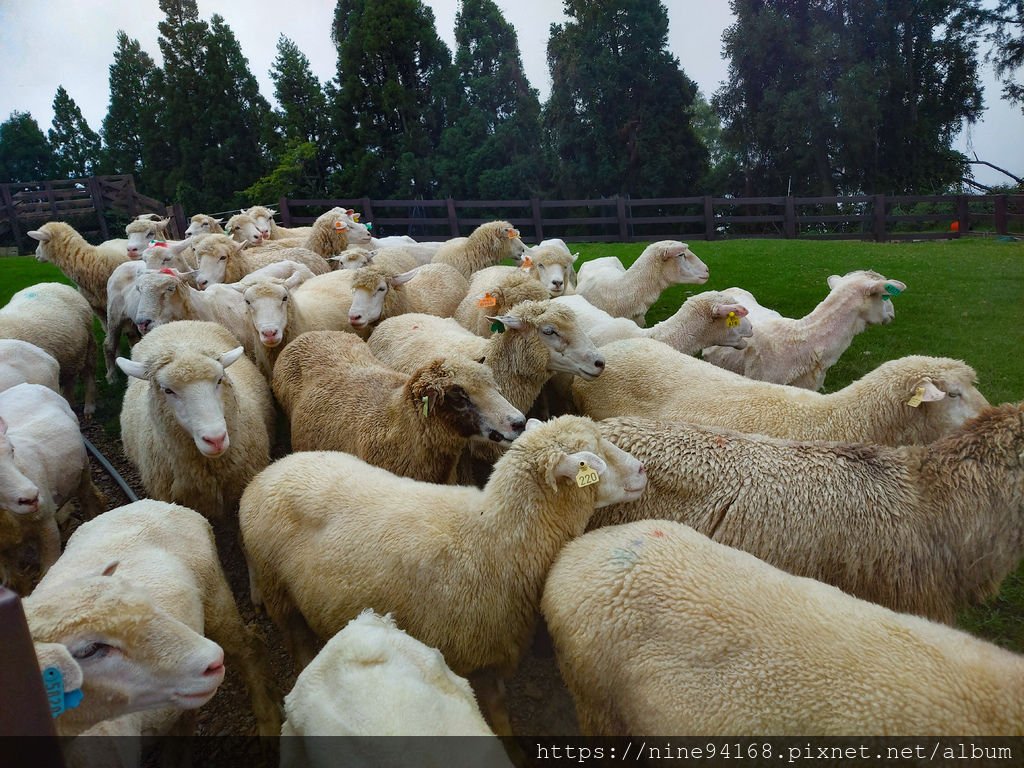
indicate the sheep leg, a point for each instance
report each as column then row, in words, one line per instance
column 88, row 374
column 90, row 501
column 49, row 543
column 110, row 345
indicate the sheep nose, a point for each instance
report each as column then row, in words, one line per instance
column 202, row 283
column 269, row 334
column 518, row 425
column 599, row 363
column 216, row 667
column 217, row 443
column 143, row 325
column 32, row 502
column 642, row 470
column 355, row 318
column 557, row 284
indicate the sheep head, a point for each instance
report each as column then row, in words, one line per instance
column 266, row 302
column 552, row 267
column 370, row 288
column 161, row 298
column 570, row 350
column 141, row 231
column 212, row 255
column 18, row 494
column 243, row 229
column 679, row 265
column 875, row 292
column 352, row 258
column 201, row 224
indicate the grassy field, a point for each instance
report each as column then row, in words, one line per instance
column 964, row 299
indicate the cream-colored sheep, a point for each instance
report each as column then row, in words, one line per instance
column 394, row 259
column 141, row 232
column 486, row 246
column 800, row 352
column 264, row 218
column 494, row 291
column 87, row 265
column 659, row 630
column 128, row 604
column 221, row 260
column 919, row 529
column 202, row 224
column 622, row 292
column 359, row 236
column 339, row 397
column 242, row 229
column 552, row 267
column 197, row 416
column 379, row 293
column 912, row 400
column 461, row 569
column 58, row 320
column 24, row 363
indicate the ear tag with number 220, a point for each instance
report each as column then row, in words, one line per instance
column 586, row 476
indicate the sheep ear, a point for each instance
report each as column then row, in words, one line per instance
column 38, row 234
column 132, row 368
column 511, row 322
column 294, row 281
column 575, row 256
column 181, row 245
column 531, row 423
column 218, row 221
column 239, row 246
column 163, row 223
column 403, row 278
column 570, row 464
column 111, row 567
column 3, row 426
column 57, row 656
column 927, row 391
column 723, row 310
column 235, row 287
column 832, row 280
column 231, row 356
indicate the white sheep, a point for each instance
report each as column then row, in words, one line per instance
column 143, row 231
column 551, row 263
column 494, row 293
column 219, row 259
column 197, row 416
column 58, row 320
column 379, row 293
column 264, row 218
column 43, row 465
column 396, row 259
column 919, row 529
column 461, row 569
column 912, row 400
column 486, row 246
column 125, row 609
column 202, row 224
column 622, row 292
column 24, row 363
column 800, row 352
column 359, row 236
column 658, row 630
column 413, row 425
column 242, row 229
column 87, row 265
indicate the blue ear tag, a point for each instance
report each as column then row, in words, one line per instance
column 53, row 682
column 369, row 225
column 891, row 290
column 497, row 327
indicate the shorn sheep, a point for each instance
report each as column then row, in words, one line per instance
column 24, row 363
column 89, row 266
column 800, row 352
column 659, row 630
column 197, row 416
column 221, row 260
column 327, row 535
column 622, row 292
column 379, row 293
column 486, row 246
column 912, row 400
column 919, row 529
column 339, row 397
column 128, row 605
column 57, row 319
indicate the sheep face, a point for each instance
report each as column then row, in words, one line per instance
column 369, row 290
column 352, row 258
column 160, row 300
column 262, row 217
column 194, row 388
column 43, row 235
column 243, row 229
column 732, row 335
column 18, row 494
column 681, row 265
column 132, row 655
column 465, row 395
column 267, row 305
column 570, row 349
column 949, row 400
column 169, row 256
column 552, row 267
column 141, row 232
column 203, row 225
column 876, row 291
column 212, row 255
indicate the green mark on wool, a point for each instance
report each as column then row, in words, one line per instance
column 624, row 558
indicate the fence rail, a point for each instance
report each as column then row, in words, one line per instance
column 865, row 217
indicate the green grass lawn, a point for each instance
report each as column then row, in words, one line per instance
column 964, row 299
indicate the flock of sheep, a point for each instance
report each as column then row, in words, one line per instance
column 716, row 547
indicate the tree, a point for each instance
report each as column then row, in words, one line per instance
column 75, row 145
column 490, row 148
column 25, row 154
column 1006, row 35
column 395, row 85
column 618, row 120
column 131, row 98
column 827, row 96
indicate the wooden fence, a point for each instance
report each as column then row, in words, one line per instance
column 864, row 217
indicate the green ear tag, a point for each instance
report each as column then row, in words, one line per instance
column 497, row 327
column 891, row 290
column 426, row 405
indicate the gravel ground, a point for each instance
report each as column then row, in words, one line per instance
column 539, row 703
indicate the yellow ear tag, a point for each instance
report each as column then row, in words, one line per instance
column 355, row 217
column 917, row 399
column 732, row 321
column 487, row 300
column 526, row 263
column 426, row 405
column 586, row 476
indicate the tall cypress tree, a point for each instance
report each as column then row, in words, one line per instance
column 618, row 117
column 25, row 154
column 490, row 147
column 76, row 146
column 395, row 85
column 132, row 102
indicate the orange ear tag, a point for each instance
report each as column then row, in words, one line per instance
column 526, row 263
column 487, row 300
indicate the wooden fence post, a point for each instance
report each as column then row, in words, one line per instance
column 1002, row 218
column 963, row 215
column 133, row 198
column 538, row 227
column 367, row 211
column 453, row 218
column 879, row 218
column 286, row 214
column 789, row 225
column 620, row 212
column 12, row 214
column 97, row 202
column 709, row 218
column 177, row 214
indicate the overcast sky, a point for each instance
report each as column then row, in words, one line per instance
column 78, row 38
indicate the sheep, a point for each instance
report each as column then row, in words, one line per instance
column 702, row 318
column 327, row 535
column 221, row 260
column 919, row 529
column 58, row 320
column 86, row 264
column 910, row 401
column 379, row 293
column 264, row 218
column 201, row 224
column 659, row 630
column 552, row 266
column 127, row 606
column 242, row 229
column 24, row 363
column 495, row 293
column 339, row 397
column 800, row 352
column 397, row 259
column 141, row 232
column 196, row 419
column 43, row 465
column 359, row 236
column 622, row 292
column 486, row 246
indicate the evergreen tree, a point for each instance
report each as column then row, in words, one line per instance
column 75, row 145
column 395, row 85
column 25, row 154
column 1006, row 35
column 131, row 98
column 618, row 120
column 490, row 148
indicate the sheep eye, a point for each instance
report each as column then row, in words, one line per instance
column 168, row 391
column 952, row 394
column 549, row 331
column 223, row 258
column 381, row 289
column 92, row 651
column 284, row 298
column 220, row 381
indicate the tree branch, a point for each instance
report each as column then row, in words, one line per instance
column 976, row 161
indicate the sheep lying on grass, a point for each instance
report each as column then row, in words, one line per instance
column 461, row 569
column 800, row 352
column 919, row 529
column 339, row 397
column 659, row 630
column 622, row 292
column 486, row 246
column 126, row 608
column 913, row 400
column 24, row 363
column 197, row 416
column 57, row 319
